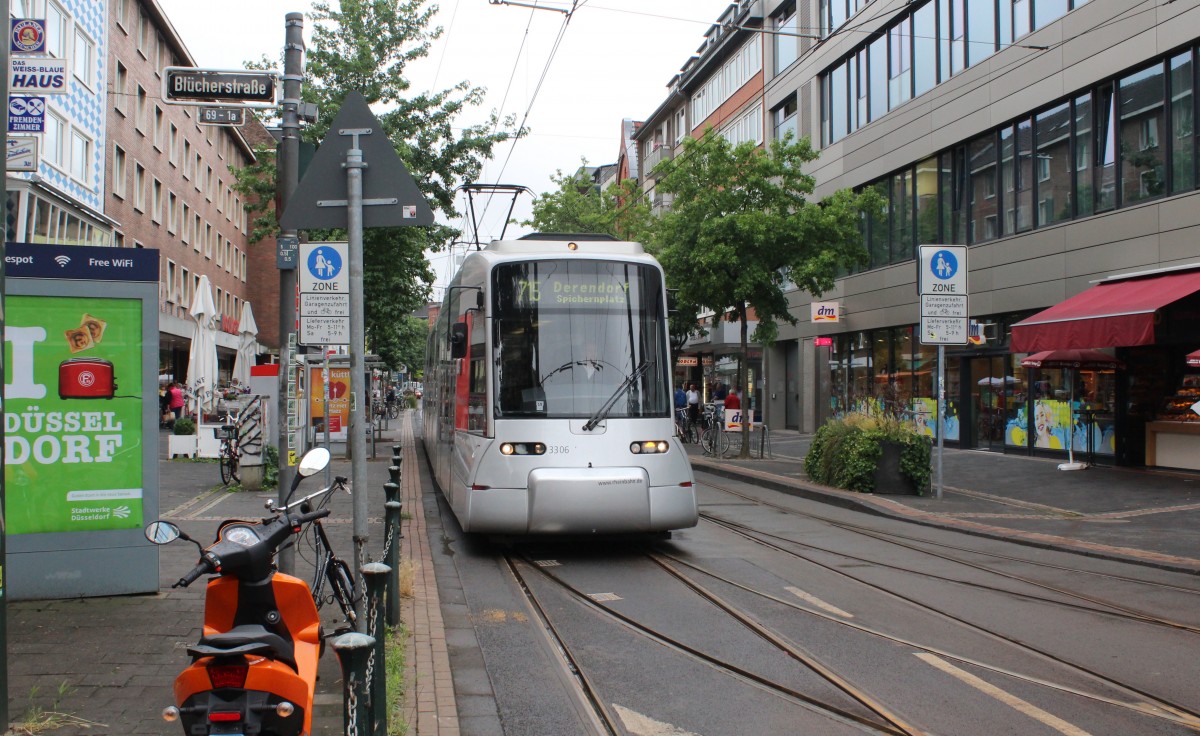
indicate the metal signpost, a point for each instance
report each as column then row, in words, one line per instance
column 942, row 283
column 356, row 180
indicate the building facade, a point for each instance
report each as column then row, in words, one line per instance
column 170, row 185
column 720, row 87
column 1053, row 138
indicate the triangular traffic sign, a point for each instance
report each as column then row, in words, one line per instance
column 390, row 196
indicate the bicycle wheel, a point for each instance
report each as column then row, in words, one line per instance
column 342, row 583
column 393, row 410
column 228, row 468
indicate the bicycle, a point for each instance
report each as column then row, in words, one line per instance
column 230, row 457
column 329, row 569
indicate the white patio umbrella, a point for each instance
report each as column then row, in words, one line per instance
column 202, row 358
column 247, row 347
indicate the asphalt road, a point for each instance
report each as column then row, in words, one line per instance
column 852, row 623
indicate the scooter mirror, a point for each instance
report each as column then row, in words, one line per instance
column 313, row 462
column 162, row 532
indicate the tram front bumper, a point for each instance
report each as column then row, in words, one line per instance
column 583, row 501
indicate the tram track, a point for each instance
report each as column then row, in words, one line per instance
column 887, row 721
column 1140, row 701
column 1114, row 609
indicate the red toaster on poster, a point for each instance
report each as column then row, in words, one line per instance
column 86, row 378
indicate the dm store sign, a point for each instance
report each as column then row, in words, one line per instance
column 72, row 436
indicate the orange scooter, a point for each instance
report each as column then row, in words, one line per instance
column 254, row 670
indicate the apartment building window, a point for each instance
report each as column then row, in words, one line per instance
column 139, row 187
column 140, row 112
column 784, row 47
column 81, row 156
column 899, row 63
column 120, row 83
column 208, row 241
column 188, row 166
column 220, row 250
column 924, row 54
column 1106, row 153
column 172, row 284
column 1081, row 136
column 58, row 25
column 984, row 204
column 783, row 119
column 1142, row 109
column 159, row 129
column 118, row 239
column 173, row 144
column 119, row 172
column 156, row 203
column 1183, row 127
column 172, row 212
column 122, row 14
column 197, row 233
column 185, row 219
column 209, row 183
column 53, row 140
column 243, row 267
column 145, row 35
column 84, row 58
column 185, row 287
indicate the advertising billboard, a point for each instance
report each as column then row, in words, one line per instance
column 72, row 434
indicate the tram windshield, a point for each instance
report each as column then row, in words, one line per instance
column 569, row 333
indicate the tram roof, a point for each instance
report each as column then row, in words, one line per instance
column 565, row 244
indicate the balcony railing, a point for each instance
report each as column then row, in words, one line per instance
column 661, row 152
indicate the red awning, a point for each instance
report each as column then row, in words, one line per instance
column 1109, row 315
column 1193, row 359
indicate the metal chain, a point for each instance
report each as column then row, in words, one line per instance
column 352, row 704
column 387, row 541
column 368, row 690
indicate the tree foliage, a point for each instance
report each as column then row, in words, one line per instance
column 579, row 206
column 741, row 229
column 403, row 344
column 365, row 46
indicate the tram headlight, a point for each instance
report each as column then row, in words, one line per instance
column 649, row 447
column 522, row 448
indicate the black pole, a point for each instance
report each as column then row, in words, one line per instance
column 288, row 164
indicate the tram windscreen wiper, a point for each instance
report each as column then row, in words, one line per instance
column 631, row 379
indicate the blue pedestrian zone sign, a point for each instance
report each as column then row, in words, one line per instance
column 945, row 265
column 943, row 269
column 324, row 263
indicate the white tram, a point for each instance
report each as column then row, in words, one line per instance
column 547, row 406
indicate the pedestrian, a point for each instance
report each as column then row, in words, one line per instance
column 175, row 403
column 732, row 402
column 719, row 392
column 693, row 403
column 680, row 398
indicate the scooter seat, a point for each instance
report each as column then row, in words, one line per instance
column 246, row 639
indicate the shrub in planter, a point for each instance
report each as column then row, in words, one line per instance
column 184, row 425
column 846, row 453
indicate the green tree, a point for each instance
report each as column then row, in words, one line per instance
column 364, row 46
column 403, row 344
column 741, row 229
column 578, row 206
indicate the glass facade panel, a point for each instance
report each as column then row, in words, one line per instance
column 1183, row 127
column 1052, row 130
column 902, row 217
column 838, row 104
column 925, row 48
column 927, row 202
column 1046, row 12
column 900, row 63
column 983, row 224
column 1020, row 10
column 958, row 35
column 784, row 45
column 1005, row 33
column 1085, row 189
column 981, row 31
column 1008, row 178
column 1023, row 196
column 877, row 233
column 1106, row 150
column 1142, row 161
column 878, row 73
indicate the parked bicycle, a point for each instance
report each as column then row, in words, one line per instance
column 230, row 457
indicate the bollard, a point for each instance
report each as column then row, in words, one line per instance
column 376, row 575
column 394, row 473
column 353, row 651
column 391, row 492
column 396, row 453
column 391, row 558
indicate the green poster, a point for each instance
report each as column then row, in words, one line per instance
column 73, row 419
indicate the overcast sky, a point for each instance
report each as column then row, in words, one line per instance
column 614, row 62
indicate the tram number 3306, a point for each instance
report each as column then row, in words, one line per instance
column 558, row 449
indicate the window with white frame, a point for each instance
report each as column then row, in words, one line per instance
column 197, row 233
column 84, row 57
column 748, row 127
column 81, row 156
column 145, row 35
column 140, row 112
column 208, row 241
column 58, row 25
column 186, row 220
column 53, row 140
column 243, row 259
column 119, row 172
column 738, row 70
column 173, row 144
column 187, row 158
column 173, row 295
column 122, row 14
column 160, row 132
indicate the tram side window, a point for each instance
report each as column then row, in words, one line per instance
column 477, row 382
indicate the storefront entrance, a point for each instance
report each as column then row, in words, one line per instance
column 993, row 390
